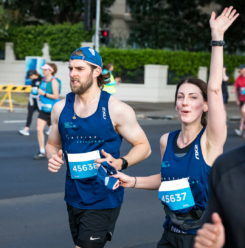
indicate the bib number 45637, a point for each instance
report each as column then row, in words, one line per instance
column 173, row 198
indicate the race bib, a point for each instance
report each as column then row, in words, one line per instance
column 176, row 194
column 82, row 165
column 46, row 107
column 34, row 90
column 243, row 91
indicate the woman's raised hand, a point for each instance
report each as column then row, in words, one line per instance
column 222, row 22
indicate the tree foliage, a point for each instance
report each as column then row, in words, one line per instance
column 182, row 25
column 56, row 11
column 170, row 24
column 4, row 23
column 62, row 39
column 235, row 35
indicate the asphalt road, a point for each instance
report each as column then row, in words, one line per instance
column 32, row 209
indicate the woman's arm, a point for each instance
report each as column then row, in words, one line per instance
column 216, row 127
column 151, row 182
column 55, row 88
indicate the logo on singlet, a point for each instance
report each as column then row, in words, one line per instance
column 104, row 113
column 69, row 125
column 196, row 152
column 165, row 164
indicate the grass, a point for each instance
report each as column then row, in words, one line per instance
column 18, row 98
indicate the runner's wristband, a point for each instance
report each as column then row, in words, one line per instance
column 217, row 43
column 135, row 182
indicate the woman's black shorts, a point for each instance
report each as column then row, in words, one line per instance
column 45, row 116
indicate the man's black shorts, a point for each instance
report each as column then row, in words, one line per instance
column 45, row 116
column 92, row 225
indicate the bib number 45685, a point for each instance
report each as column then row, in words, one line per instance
column 173, row 198
column 84, row 167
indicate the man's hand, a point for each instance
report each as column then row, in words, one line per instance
column 211, row 235
column 55, row 162
column 117, row 163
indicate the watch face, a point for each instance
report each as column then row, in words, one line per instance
column 124, row 164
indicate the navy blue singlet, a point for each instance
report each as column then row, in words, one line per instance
column 191, row 165
column 83, row 136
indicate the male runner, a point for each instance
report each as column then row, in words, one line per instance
column 88, row 127
column 225, row 212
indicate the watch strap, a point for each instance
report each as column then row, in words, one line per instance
column 217, row 43
column 124, row 164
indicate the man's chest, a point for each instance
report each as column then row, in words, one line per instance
column 85, row 111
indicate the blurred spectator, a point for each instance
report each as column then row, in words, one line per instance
column 240, row 96
column 111, row 86
column 225, row 82
column 34, row 102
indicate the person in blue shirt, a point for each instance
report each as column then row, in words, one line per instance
column 188, row 154
column 88, row 127
column 49, row 92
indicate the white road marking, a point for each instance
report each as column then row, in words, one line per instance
column 15, row 121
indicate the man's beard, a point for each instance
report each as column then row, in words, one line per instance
column 82, row 88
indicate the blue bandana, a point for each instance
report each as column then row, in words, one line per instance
column 103, row 176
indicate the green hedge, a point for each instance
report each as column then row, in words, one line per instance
column 62, row 39
column 65, row 38
column 181, row 62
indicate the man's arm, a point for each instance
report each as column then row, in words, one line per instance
column 125, row 123
column 212, row 233
column 54, row 145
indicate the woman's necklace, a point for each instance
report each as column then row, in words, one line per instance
column 190, row 140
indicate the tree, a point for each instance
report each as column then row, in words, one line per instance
column 235, row 36
column 182, row 25
column 177, row 24
column 56, row 11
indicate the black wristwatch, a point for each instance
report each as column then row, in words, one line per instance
column 217, row 43
column 124, row 164
column 45, row 95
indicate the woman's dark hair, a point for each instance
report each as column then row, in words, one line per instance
column 32, row 72
column 202, row 86
column 108, row 66
column 54, row 66
column 102, row 79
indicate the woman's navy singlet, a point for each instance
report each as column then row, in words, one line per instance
column 191, row 166
column 82, row 140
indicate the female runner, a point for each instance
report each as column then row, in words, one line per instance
column 188, row 154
